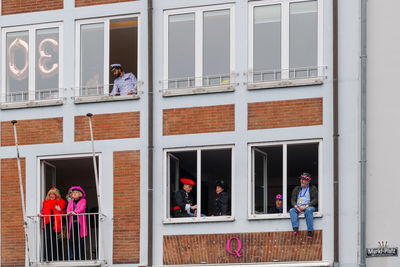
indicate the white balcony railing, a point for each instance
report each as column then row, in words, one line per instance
column 274, row 75
column 68, row 238
column 37, row 95
column 192, row 82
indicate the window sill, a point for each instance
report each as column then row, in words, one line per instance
column 278, row 216
column 72, row 263
column 285, row 83
column 32, row 104
column 199, row 220
column 102, row 98
column 199, row 90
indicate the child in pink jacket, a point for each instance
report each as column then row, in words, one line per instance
column 77, row 230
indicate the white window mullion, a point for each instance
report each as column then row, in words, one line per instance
column 31, row 68
column 284, row 176
column 251, row 44
column 199, row 49
column 60, row 61
column 106, row 56
column 232, row 45
column 285, row 39
column 4, row 66
column 320, row 39
column 198, row 183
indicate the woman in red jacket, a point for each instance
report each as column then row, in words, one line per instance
column 53, row 205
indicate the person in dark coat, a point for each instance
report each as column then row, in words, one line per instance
column 184, row 203
column 223, row 200
column 278, row 208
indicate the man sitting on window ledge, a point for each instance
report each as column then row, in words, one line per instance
column 184, row 200
column 124, row 83
column 304, row 199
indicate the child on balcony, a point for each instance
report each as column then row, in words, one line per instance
column 77, row 223
column 53, row 205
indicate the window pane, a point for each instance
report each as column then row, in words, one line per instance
column 92, row 56
column 123, row 44
column 303, row 39
column 268, row 177
column 47, row 63
column 17, row 80
column 301, row 158
column 216, row 47
column 181, row 165
column 267, row 43
column 181, row 50
column 216, row 166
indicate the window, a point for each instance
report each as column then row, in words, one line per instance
column 207, row 167
column 275, row 169
column 285, row 41
column 100, row 43
column 199, row 48
column 33, row 63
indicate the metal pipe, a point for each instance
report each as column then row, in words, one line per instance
column 21, row 187
column 335, row 133
column 150, row 134
column 363, row 156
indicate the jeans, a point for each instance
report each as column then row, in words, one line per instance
column 308, row 213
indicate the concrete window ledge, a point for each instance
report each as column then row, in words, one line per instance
column 103, row 98
column 284, row 83
column 198, row 90
column 267, row 264
column 32, row 104
column 71, row 263
column 199, row 220
column 278, row 216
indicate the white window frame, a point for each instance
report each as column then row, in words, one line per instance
column 39, row 197
column 106, row 21
column 32, row 60
column 285, row 46
column 166, row 193
column 199, row 88
column 250, row 202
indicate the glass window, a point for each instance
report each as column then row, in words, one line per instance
column 267, row 43
column 216, row 47
column 199, row 183
column 303, row 39
column 277, row 166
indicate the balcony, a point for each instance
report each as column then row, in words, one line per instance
column 38, row 98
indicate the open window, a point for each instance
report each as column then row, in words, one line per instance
column 199, row 49
column 275, row 169
column 206, row 167
column 62, row 173
column 32, row 65
column 100, row 43
column 285, row 43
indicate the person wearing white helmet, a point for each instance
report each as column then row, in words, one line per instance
column 124, row 83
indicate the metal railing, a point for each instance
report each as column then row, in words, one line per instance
column 39, row 94
column 286, row 74
column 193, row 82
column 66, row 238
column 45, row 94
column 20, row 96
column 105, row 90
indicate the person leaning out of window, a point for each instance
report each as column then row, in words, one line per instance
column 304, row 199
column 222, row 201
column 124, row 83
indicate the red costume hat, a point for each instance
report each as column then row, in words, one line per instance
column 188, row 181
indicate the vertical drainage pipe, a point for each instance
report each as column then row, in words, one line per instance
column 363, row 156
column 335, row 133
column 150, row 133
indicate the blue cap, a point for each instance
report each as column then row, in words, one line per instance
column 278, row 197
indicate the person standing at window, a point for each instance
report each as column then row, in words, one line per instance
column 52, row 225
column 304, row 199
column 77, row 223
column 223, row 200
column 124, row 83
column 184, row 200
column 278, row 205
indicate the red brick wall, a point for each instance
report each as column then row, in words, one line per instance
column 256, row 247
column 79, row 3
column 288, row 113
column 207, row 119
column 126, row 244
column 30, row 132
column 108, row 126
column 12, row 222
column 23, row 6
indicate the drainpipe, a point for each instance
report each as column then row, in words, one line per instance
column 363, row 156
column 150, row 133
column 335, row 133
